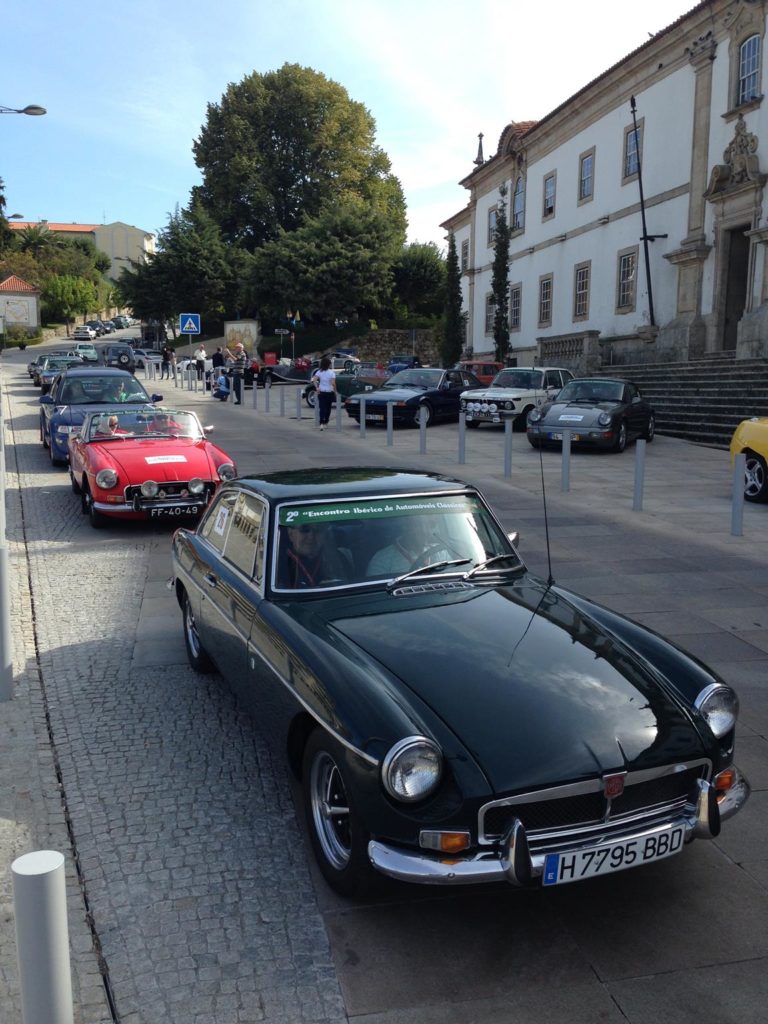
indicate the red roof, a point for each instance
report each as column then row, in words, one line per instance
column 19, row 225
column 15, row 284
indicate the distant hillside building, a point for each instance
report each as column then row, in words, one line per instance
column 19, row 304
column 121, row 242
column 578, row 286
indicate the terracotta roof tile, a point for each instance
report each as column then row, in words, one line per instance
column 16, row 284
column 19, row 225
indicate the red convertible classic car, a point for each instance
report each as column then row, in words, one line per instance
column 145, row 463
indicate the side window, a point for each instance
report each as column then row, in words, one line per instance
column 467, row 381
column 217, row 522
column 244, row 535
column 566, row 375
column 552, row 379
column 632, row 394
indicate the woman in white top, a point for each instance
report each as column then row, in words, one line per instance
column 324, row 380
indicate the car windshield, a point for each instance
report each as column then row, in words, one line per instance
column 58, row 364
column 528, row 379
column 415, row 379
column 121, row 423
column 88, row 390
column 592, row 391
column 363, row 541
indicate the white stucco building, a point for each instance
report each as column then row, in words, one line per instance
column 578, row 282
column 123, row 243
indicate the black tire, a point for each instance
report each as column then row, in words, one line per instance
column 472, row 424
column 55, row 460
column 43, row 441
column 417, row 414
column 621, row 437
column 339, row 841
column 755, row 478
column 310, row 397
column 97, row 519
column 76, row 489
column 534, row 442
column 520, row 422
column 196, row 654
column 650, row 431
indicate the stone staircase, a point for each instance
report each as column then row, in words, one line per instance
column 702, row 400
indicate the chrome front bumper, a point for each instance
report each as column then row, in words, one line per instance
column 512, row 860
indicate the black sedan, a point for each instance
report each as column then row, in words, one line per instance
column 437, row 391
column 451, row 717
column 599, row 412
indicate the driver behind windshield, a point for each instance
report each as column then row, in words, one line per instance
column 417, row 544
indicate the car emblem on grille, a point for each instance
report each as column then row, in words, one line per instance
column 613, row 785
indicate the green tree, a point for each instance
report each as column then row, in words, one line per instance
column 37, row 239
column 280, row 146
column 64, row 296
column 419, row 279
column 500, row 279
column 6, row 235
column 453, row 333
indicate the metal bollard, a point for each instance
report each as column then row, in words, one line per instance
column 637, row 500
column 422, row 430
column 390, row 424
column 462, row 438
column 737, row 505
column 339, row 407
column 316, row 410
column 175, row 377
column 508, row 447
column 6, row 637
column 255, row 392
column 42, row 937
column 282, row 399
column 565, row 469
column 298, row 403
column 362, row 416
column 267, row 389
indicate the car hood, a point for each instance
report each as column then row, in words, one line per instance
column 400, row 394
column 536, row 690
column 575, row 414
column 139, row 460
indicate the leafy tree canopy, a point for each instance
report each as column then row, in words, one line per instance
column 419, row 276
column 281, row 145
column 452, row 340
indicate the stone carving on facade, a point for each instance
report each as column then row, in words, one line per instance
column 702, row 49
column 741, row 165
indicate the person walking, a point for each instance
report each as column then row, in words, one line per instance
column 200, row 357
column 166, row 367
column 217, row 359
column 324, row 380
column 239, row 363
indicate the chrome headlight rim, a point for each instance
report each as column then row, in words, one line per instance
column 106, row 479
column 196, row 485
column 534, row 416
column 227, row 471
column 604, row 419
column 150, row 488
column 392, row 762
column 718, row 705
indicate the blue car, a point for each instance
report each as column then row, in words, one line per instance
column 78, row 391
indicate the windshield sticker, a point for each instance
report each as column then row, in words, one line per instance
column 382, row 508
column 222, row 517
column 154, row 459
column 571, row 419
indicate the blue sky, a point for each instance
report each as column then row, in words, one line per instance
column 126, row 87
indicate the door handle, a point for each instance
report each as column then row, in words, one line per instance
column 210, row 579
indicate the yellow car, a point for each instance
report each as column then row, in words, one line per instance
column 751, row 438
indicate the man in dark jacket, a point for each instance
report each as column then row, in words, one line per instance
column 239, row 363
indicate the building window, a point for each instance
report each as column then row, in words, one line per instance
column 515, row 303
column 465, row 254
column 549, row 196
column 626, row 288
column 633, row 151
column 490, row 313
column 518, row 205
column 492, row 225
column 581, row 291
column 586, row 176
column 545, row 301
column 749, row 70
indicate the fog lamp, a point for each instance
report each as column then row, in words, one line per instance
column 149, row 488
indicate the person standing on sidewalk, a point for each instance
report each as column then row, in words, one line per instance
column 324, row 380
column 200, row 357
column 239, row 363
column 217, row 359
column 167, row 356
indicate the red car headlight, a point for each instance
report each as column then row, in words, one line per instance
column 106, row 479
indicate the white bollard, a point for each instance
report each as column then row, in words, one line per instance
column 267, row 389
column 390, row 424
column 422, row 430
column 565, row 468
column 737, row 506
column 339, row 404
column 298, row 403
column 637, row 499
column 42, row 937
column 462, row 438
column 362, row 416
column 282, row 401
column 508, row 447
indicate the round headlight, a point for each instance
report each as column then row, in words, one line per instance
column 227, row 471
column 509, row 406
column 534, row 416
column 196, row 485
column 604, row 419
column 106, row 479
column 493, row 407
column 719, row 706
column 412, row 769
column 149, row 488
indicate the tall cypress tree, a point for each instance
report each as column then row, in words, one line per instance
column 453, row 337
column 500, row 282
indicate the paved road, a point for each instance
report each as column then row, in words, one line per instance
column 190, row 884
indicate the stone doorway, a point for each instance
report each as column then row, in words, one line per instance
column 737, row 261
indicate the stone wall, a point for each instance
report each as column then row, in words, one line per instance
column 380, row 346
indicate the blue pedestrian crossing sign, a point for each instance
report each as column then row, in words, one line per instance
column 189, row 323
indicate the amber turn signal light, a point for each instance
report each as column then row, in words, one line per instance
column 444, row 842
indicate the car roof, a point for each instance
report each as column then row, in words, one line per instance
column 96, row 371
column 347, row 482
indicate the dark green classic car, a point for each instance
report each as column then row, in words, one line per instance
column 452, row 718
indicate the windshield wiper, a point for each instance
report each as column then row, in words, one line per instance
column 432, row 567
column 491, row 561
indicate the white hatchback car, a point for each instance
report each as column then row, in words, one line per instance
column 83, row 333
column 513, row 392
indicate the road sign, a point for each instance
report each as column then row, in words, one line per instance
column 282, row 330
column 189, row 323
